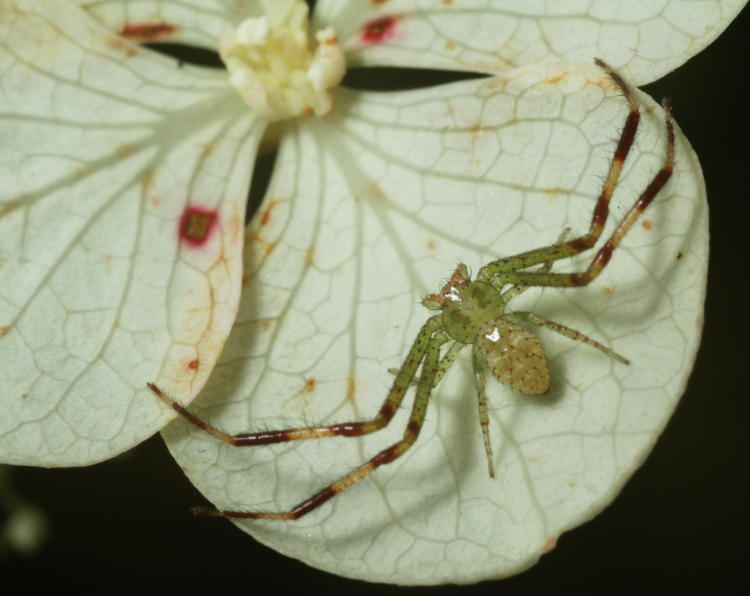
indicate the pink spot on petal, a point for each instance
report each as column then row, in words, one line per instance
column 197, row 225
column 379, row 30
column 146, row 32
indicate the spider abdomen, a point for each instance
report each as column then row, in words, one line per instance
column 514, row 355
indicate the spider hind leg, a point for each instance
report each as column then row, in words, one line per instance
column 416, row 420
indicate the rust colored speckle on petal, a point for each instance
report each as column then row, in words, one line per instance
column 193, row 364
column 197, row 225
column 550, row 545
column 146, row 32
column 379, row 30
column 265, row 214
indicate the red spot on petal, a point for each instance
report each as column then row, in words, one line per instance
column 193, row 364
column 379, row 30
column 309, row 384
column 197, row 225
column 145, row 32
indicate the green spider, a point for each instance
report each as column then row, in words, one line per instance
column 474, row 312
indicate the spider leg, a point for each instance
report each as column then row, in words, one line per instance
column 386, row 456
column 348, row 429
column 530, row 317
column 514, row 291
column 445, row 362
column 534, row 278
column 484, row 417
column 601, row 210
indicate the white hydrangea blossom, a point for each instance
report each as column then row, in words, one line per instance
column 124, row 176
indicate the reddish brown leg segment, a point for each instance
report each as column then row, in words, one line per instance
column 509, row 274
column 347, row 429
column 502, row 268
column 644, row 200
column 416, row 419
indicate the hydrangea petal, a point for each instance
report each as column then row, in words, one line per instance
column 123, row 182
column 642, row 40
column 368, row 210
column 194, row 22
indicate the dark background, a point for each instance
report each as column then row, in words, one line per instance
column 681, row 524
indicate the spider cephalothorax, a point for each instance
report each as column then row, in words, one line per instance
column 475, row 313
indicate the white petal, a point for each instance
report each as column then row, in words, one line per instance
column 194, row 22
column 369, row 209
column 106, row 149
column 643, row 40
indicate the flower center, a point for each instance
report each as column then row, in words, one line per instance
column 271, row 63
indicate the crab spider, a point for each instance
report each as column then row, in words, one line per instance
column 474, row 312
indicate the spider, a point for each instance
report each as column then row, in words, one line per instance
column 474, row 312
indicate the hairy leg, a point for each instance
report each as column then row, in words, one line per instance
column 348, row 429
column 416, row 419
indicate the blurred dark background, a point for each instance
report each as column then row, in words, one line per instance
column 680, row 525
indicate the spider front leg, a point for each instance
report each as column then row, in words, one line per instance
column 507, row 271
column 515, row 291
column 416, row 419
column 601, row 210
column 510, row 270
